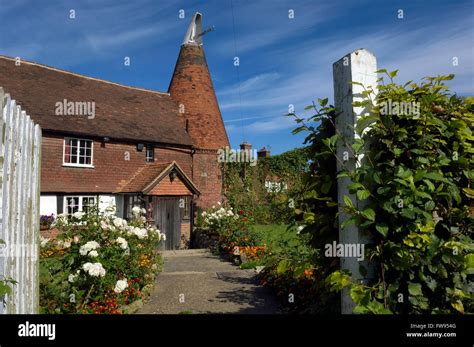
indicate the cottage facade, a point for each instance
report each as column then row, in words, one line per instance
column 108, row 144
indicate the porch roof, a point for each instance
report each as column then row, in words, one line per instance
column 151, row 175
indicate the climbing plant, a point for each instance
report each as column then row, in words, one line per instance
column 415, row 179
column 247, row 187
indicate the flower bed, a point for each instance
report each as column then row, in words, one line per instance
column 281, row 256
column 98, row 263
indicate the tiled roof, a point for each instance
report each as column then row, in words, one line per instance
column 150, row 175
column 121, row 112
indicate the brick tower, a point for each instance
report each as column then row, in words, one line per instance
column 192, row 89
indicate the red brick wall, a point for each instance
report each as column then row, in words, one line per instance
column 185, row 235
column 207, row 175
column 110, row 166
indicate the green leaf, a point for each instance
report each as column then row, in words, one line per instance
column 282, row 266
column 363, row 194
column 415, row 289
column 323, row 102
column 377, row 178
column 325, row 187
column 382, row 228
column 393, row 73
column 430, row 185
column 469, row 262
column 458, row 306
column 347, row 222
column 369, row 214
column 298, row 130
column 348, row 201
column 469, row 192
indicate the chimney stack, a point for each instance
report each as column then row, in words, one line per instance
column 245, row 146
column 263, row 153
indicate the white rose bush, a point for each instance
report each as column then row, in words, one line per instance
column 98, row 263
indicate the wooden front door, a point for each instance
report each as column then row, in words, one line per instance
column 167, row 217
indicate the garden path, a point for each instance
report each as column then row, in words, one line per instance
column 195, row 281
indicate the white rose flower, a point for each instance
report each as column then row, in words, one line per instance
column 120, row 286
column 44, row 241
column 67, row 244
column 142, row 234
column 163, row 237
column 94, row 269
column 118, row 222
column 71, row 278
column 93, row 254
column 78, row 215
column 136, row 210
column 122, row 242
column 89, row 246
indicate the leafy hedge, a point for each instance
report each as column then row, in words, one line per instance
column 249, row 193
column 416, row 181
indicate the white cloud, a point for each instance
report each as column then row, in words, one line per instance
column 305, row 71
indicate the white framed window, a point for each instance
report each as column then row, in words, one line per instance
column 77, row 203
column 78, row 152
column 150, row 153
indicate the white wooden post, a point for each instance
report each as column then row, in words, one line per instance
column 358, row 66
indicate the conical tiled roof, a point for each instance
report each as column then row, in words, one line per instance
column 192, row 89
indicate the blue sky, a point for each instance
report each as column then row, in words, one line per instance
column 282, row 61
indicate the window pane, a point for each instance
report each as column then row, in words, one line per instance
column 73, row 154
column 87, row 202
column 72, row 204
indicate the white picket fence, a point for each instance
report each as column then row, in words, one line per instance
column 20, row 164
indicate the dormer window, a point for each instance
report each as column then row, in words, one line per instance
column 77, row 152
column 150, row 153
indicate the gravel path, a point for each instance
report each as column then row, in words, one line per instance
column 195, row 281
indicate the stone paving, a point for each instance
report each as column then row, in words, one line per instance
column 195, row 281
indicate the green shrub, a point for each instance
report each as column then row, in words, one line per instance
column 416, row 181
column 97, row 263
